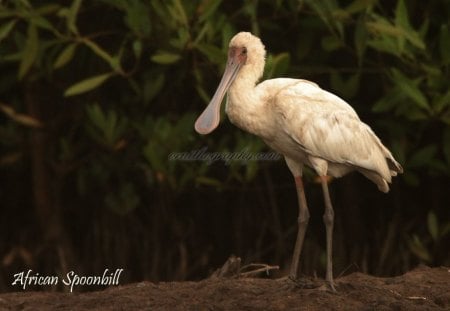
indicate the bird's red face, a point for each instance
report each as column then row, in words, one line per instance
column 209, row 119
column 237, row 54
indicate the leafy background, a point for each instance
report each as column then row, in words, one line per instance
column 96, row 95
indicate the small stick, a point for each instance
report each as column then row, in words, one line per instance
column 416, row 298
column 258, row 268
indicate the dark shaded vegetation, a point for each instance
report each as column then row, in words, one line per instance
column 97, row 96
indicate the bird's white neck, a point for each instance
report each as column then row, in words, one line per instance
column 245, row 107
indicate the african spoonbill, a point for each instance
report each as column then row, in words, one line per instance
column 306, row 124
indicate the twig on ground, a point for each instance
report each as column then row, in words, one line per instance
column 232, row 269
column 258, row 267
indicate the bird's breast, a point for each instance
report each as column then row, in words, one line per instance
column 247, row 113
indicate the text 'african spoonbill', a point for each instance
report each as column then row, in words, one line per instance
column 306, row 124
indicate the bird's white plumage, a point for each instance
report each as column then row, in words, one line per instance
column 305, row 123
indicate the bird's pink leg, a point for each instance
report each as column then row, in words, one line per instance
column 328, row 219
column 303, row 218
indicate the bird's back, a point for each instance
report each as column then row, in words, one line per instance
column 312, row 122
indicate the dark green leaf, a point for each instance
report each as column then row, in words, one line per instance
column 178, row 12
column 326, row 11
column 207, row 8
column 160, row 9
column 30, row 51
column 43, row 23
column 444, row 44
column 360, row 39
column 386, row 44
column 124, row 200
column 446, row 144
column 72, row 15
column 202, row 93
column 165, row 58
column 401, row 21
column 208, row 181
column 96, row 115
column 398, row 150
column 423, row 157
column 6, row 28
column 137, row 48
column 48, row 9
column 4, row 13
column 153, row 86
column 441, row 102
column 214, row 54
column 347, row 88
column 251, row 169
column 153, row 158
column 87, row 84
column 352, row 85
column 410, row 88
column 201, row 34
column 359, row 5
column 411, row 179
column 419, row 249
column 65, row 56
column 384, row 27
column 277, row 65
column 137, row 18
column 331, row 43
column 112, row 61
column 433, row 226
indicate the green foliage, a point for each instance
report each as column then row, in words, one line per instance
column 165, row 58
column 105, row 128
column 427, row 247
column 277, row 65
column 161, row 138
column 87, row 84
column 65, row 56
column 124, row 201
column 30, row 50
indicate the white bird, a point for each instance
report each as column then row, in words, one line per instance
column 303, row 122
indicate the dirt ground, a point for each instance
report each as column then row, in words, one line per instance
column 421, row 289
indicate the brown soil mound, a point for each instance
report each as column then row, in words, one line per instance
column 421, row 289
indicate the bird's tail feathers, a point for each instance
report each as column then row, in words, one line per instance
column 381, row 183
column 394, row 167
column 391, row 168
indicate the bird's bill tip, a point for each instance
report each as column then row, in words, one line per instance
column 208, row 121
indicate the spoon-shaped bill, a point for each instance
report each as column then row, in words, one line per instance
column 209, row 119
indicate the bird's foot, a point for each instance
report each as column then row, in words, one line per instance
column 330, row 282
column 330, row 286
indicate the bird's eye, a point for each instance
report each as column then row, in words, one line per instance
column 244, row 51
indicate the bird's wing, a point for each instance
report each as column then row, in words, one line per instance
column 326, row 127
